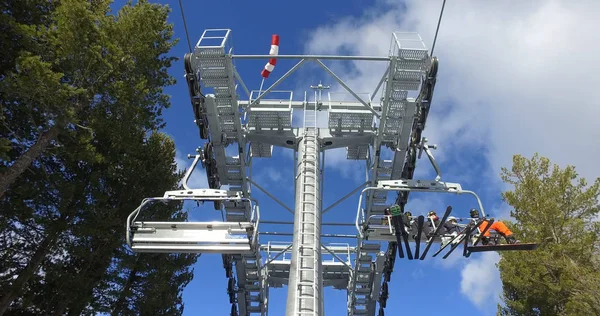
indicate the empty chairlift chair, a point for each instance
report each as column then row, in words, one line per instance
column 194, row 237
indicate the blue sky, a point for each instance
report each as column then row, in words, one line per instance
column 468, row 121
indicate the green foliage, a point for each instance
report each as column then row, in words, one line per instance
column 81, row 65
column 95, row 80
column 554, row 207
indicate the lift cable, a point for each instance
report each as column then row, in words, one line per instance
column 438, row 27
column 185, row 26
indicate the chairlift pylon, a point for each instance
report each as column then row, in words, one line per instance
column 267, row 123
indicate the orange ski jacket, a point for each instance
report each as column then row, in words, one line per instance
column 497, row 226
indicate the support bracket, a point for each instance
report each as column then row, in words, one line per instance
column 420, row 185
column 203, row 195
column 427, row 149
column 189, row 172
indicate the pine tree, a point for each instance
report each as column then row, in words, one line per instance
column 555, row 207
column 82, row 95
column 81, row 56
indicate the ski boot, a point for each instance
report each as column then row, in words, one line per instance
column 488, row 241
column 511, row 240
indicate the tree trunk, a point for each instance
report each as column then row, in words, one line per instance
column 9, row 177
column 27, row 273
column 119, row 305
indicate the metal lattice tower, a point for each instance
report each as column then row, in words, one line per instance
column 254, row 126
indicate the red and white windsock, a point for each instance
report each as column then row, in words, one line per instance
column 274, row 51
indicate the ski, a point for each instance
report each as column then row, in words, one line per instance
column 468, row 232
column 430, row 241
column 491, row 221
column 466, row 243
column 450, row 242
column 398, row 238
column 405, row 237
column 466, row 251
column 396, row 212
column 420, row 222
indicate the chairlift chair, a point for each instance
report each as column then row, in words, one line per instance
column 228, row 238
column 193, row 237
column 391, row 227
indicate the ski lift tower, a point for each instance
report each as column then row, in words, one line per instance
column 363, row 126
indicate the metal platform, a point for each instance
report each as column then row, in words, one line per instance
column 336, row 271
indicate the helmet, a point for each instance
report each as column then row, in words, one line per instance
column 451, row 218
column 431, row 213
column 408, row 213
column 474, row 213
column 387, row 211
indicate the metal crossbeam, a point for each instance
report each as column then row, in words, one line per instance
column 310, row 57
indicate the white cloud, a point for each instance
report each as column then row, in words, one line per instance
column 335, row 159
column 481, row 281
column 420, row 204
column 514, row 77
column 276, row 180
column 286, row 153
column 454, row 260
column 269, row 176
column 274, row 175
column 500, row 212
column 510, row 69
column 418, row 273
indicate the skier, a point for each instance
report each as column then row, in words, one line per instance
column 407, row 219
column 452, row 230
column 428, row 228
column 406, row 216
column 433, row 215
column 386, row 219
column 498, row 226
column 451, row 226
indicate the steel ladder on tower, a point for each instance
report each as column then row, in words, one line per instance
column 309, row 241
